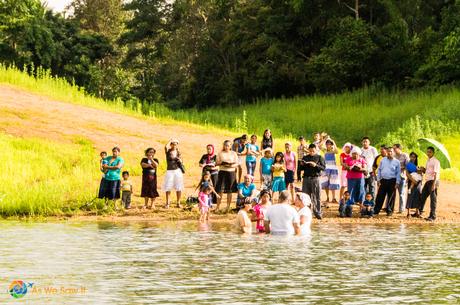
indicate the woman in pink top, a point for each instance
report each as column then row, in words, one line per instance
column 346, row 150
column 291, row 167
column 356, row 167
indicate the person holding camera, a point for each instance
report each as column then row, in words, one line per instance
column 356, row 167
column 174, row 178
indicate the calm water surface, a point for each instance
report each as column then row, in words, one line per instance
column 184, row 263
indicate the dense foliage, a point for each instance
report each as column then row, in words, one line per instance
column 201, row 53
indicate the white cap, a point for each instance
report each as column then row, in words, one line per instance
column 357, row 150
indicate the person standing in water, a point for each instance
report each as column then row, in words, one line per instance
column 282, row 218
column 242, row 219
column 303, row 204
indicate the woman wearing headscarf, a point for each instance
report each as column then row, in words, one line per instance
column 208, row 164
column 346, row 150
column 303, row 204
column 356, row 168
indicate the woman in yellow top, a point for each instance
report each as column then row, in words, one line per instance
column 278, row 170
column 227, row 160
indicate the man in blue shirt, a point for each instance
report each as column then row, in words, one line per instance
column 389, row 178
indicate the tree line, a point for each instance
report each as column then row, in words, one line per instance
column 202, row 53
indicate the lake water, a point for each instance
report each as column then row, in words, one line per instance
column 185, row 263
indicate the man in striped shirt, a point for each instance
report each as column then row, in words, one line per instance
column 432, row 171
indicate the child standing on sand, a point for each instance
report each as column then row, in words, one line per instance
column 266, row 170
column 126, row 190
column 252, row 152
column 278, row 170
column 203, row 203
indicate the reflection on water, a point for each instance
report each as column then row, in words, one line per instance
column 190, row 263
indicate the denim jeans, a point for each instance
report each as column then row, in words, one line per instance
column 251, row 167
column 345, row 210
column 356, row 189
column 365, row 212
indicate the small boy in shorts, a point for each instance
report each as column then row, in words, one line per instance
column 126, row 190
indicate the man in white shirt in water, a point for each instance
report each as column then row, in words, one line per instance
column 282, row 218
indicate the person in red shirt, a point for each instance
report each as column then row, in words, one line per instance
column 356, row 168
column 346, row 150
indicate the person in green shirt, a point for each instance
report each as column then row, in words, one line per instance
column 112, row 176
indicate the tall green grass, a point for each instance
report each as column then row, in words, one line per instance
column 347, row 116
column 40, row 177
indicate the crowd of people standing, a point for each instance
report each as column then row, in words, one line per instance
column 365, row 178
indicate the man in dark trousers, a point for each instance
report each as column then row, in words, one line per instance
column 312, row 164
column 389, row 178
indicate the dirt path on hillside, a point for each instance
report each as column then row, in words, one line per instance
column 30, row 115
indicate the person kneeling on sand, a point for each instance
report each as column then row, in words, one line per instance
column 282, row 218
column 242, row 219
column 367, row 208
column 346, row 205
